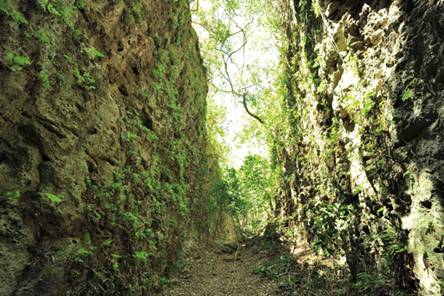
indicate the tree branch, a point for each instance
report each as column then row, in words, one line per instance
column 225, row 47
column 244, row 102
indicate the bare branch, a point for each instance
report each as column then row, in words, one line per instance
column 244, row 102
column 237, row 93
column 224, row 46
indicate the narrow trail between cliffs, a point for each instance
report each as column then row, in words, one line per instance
column 223, row 273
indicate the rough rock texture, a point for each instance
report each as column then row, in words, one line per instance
column 363, row 164
column 102, row 145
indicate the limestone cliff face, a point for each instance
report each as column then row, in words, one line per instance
column 102, row 144
column 363, row 165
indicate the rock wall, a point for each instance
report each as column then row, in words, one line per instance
column 102, row 145
column 363, row 161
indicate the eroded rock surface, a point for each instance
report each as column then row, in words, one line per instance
column 363, row 162
column 102, row 145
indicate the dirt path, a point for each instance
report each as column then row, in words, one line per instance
column 214, row 273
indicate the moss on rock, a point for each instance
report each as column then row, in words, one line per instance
column 103, row 104
column 355, row 178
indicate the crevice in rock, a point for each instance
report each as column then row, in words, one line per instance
column 426, row 204
column 147, row 121
column 123, row 90
column 120, row 46
column 135, row 69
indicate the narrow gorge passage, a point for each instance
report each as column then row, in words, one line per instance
column 135, row 135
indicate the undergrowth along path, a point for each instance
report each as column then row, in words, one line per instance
column 215, row 273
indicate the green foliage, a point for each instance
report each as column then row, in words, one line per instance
column 177, row 193
column 61, row 9
column 369, row 283
column 145, row 94
column 142, row 213
column 231, row 30
column 137, row 11
column 272, row 269
column 302, row 279
column 215, row 118
column 227, row 194
column 258, row 187
column 120, row 206
column 316, row 8
column 42, row 36
column 247, row 193
column 93, row 53
column 393, row 241
column 7, row 8
column 84, row 79
column 408, row 92
column 166, row 72
column 44, row 4
column 330, row 222
column 115, row 262
column 47, row 6
column 141, row 256
column 13, row 194
column 369, row 103
column 80, row 4
column 407, row 95
column 17, row 62
column 81, row 254
column 130, row 136
column 129, row 17
column 54, row 198
column 45, row 80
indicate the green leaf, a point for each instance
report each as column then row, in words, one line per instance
column 53, row 10
column 82, row 252
column 407, row 95
column 17, row 16
column 43, row 3
column 56, row 199
column 87, row 238
column 13, row 194
column 107, row 242
column 130, row 136
column 93, row 53
column 42, row 36
column 141, row 256
column 17, row 62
